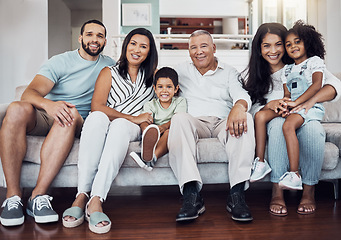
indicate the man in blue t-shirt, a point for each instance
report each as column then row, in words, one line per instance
column 54, row 105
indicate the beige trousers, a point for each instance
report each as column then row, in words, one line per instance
column 186, row 130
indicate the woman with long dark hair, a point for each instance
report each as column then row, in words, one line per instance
column 119, row 96
column 264, row 84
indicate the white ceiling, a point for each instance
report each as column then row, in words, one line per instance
column 84, row 4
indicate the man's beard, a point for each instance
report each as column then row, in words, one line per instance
column 88, row 51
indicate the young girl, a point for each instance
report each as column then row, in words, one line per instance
column 162, row 109
column 301, row 81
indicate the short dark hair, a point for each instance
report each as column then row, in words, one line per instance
column 96, row 22
column 167, row 72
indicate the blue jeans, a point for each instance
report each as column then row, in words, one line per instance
column 311, row 138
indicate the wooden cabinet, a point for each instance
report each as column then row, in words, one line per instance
column 186, row 25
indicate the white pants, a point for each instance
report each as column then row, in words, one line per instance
column 102, row 149
column 184, row 134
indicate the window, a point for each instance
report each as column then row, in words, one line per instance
column 286, row 12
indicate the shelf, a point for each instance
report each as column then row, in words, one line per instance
column 164, row 27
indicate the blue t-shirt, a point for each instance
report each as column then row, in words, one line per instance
column 74, row 78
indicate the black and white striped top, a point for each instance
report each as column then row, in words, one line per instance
column 128, row 97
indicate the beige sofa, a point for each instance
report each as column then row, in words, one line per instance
column 212, row 159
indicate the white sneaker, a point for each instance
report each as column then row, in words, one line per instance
column 150, row 138
column 259, row 170
column 290, row 181
column 145, row 165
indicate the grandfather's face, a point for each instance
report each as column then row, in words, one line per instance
column 201, row 51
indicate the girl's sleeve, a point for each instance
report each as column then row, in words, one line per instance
column 317, row 65
column 181, row 106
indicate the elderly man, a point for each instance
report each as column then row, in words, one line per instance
column 217, row 107
column 54, row 105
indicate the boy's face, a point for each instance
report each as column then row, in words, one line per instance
column 165, row 90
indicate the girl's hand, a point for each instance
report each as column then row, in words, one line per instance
column 143, row 117
column 278, row 106
column 306, row 105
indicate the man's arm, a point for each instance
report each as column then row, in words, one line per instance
column 35, row 93
column 237, row 120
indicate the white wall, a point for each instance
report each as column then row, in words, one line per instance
column 23, row 43
column 78, row 18
column 203, row 8
column 325, row 15
column 333, row 35
column 112, row 21
column 59, row 27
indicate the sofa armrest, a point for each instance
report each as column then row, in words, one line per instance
column 3, row 109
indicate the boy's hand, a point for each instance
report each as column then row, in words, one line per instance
column 162, row 129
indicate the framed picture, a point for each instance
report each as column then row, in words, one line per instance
column 136, row 14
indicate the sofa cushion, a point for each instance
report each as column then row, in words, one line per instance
column 210, row 150
column 333, row 133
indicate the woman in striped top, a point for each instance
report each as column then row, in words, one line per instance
column 119, row 96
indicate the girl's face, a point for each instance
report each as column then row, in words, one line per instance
column 165, row 90
column 272, row 49
column 137, row 50
column 295, row 48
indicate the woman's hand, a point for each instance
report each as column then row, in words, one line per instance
column 306, row 105
column 143, row 117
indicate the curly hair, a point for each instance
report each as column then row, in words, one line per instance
column 312, row 39
column 258, row 79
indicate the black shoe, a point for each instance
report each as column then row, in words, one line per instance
column 192, row 207
column 236, row 205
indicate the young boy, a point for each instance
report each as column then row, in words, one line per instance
column 163, row 108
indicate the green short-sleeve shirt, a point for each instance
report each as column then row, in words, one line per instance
column 163, row 115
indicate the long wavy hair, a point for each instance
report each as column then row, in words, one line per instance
column 149, row 65
column 257, row 80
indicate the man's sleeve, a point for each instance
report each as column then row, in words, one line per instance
column 52, row 69
column 236, row 90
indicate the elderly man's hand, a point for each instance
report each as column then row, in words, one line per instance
column 237, row 120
